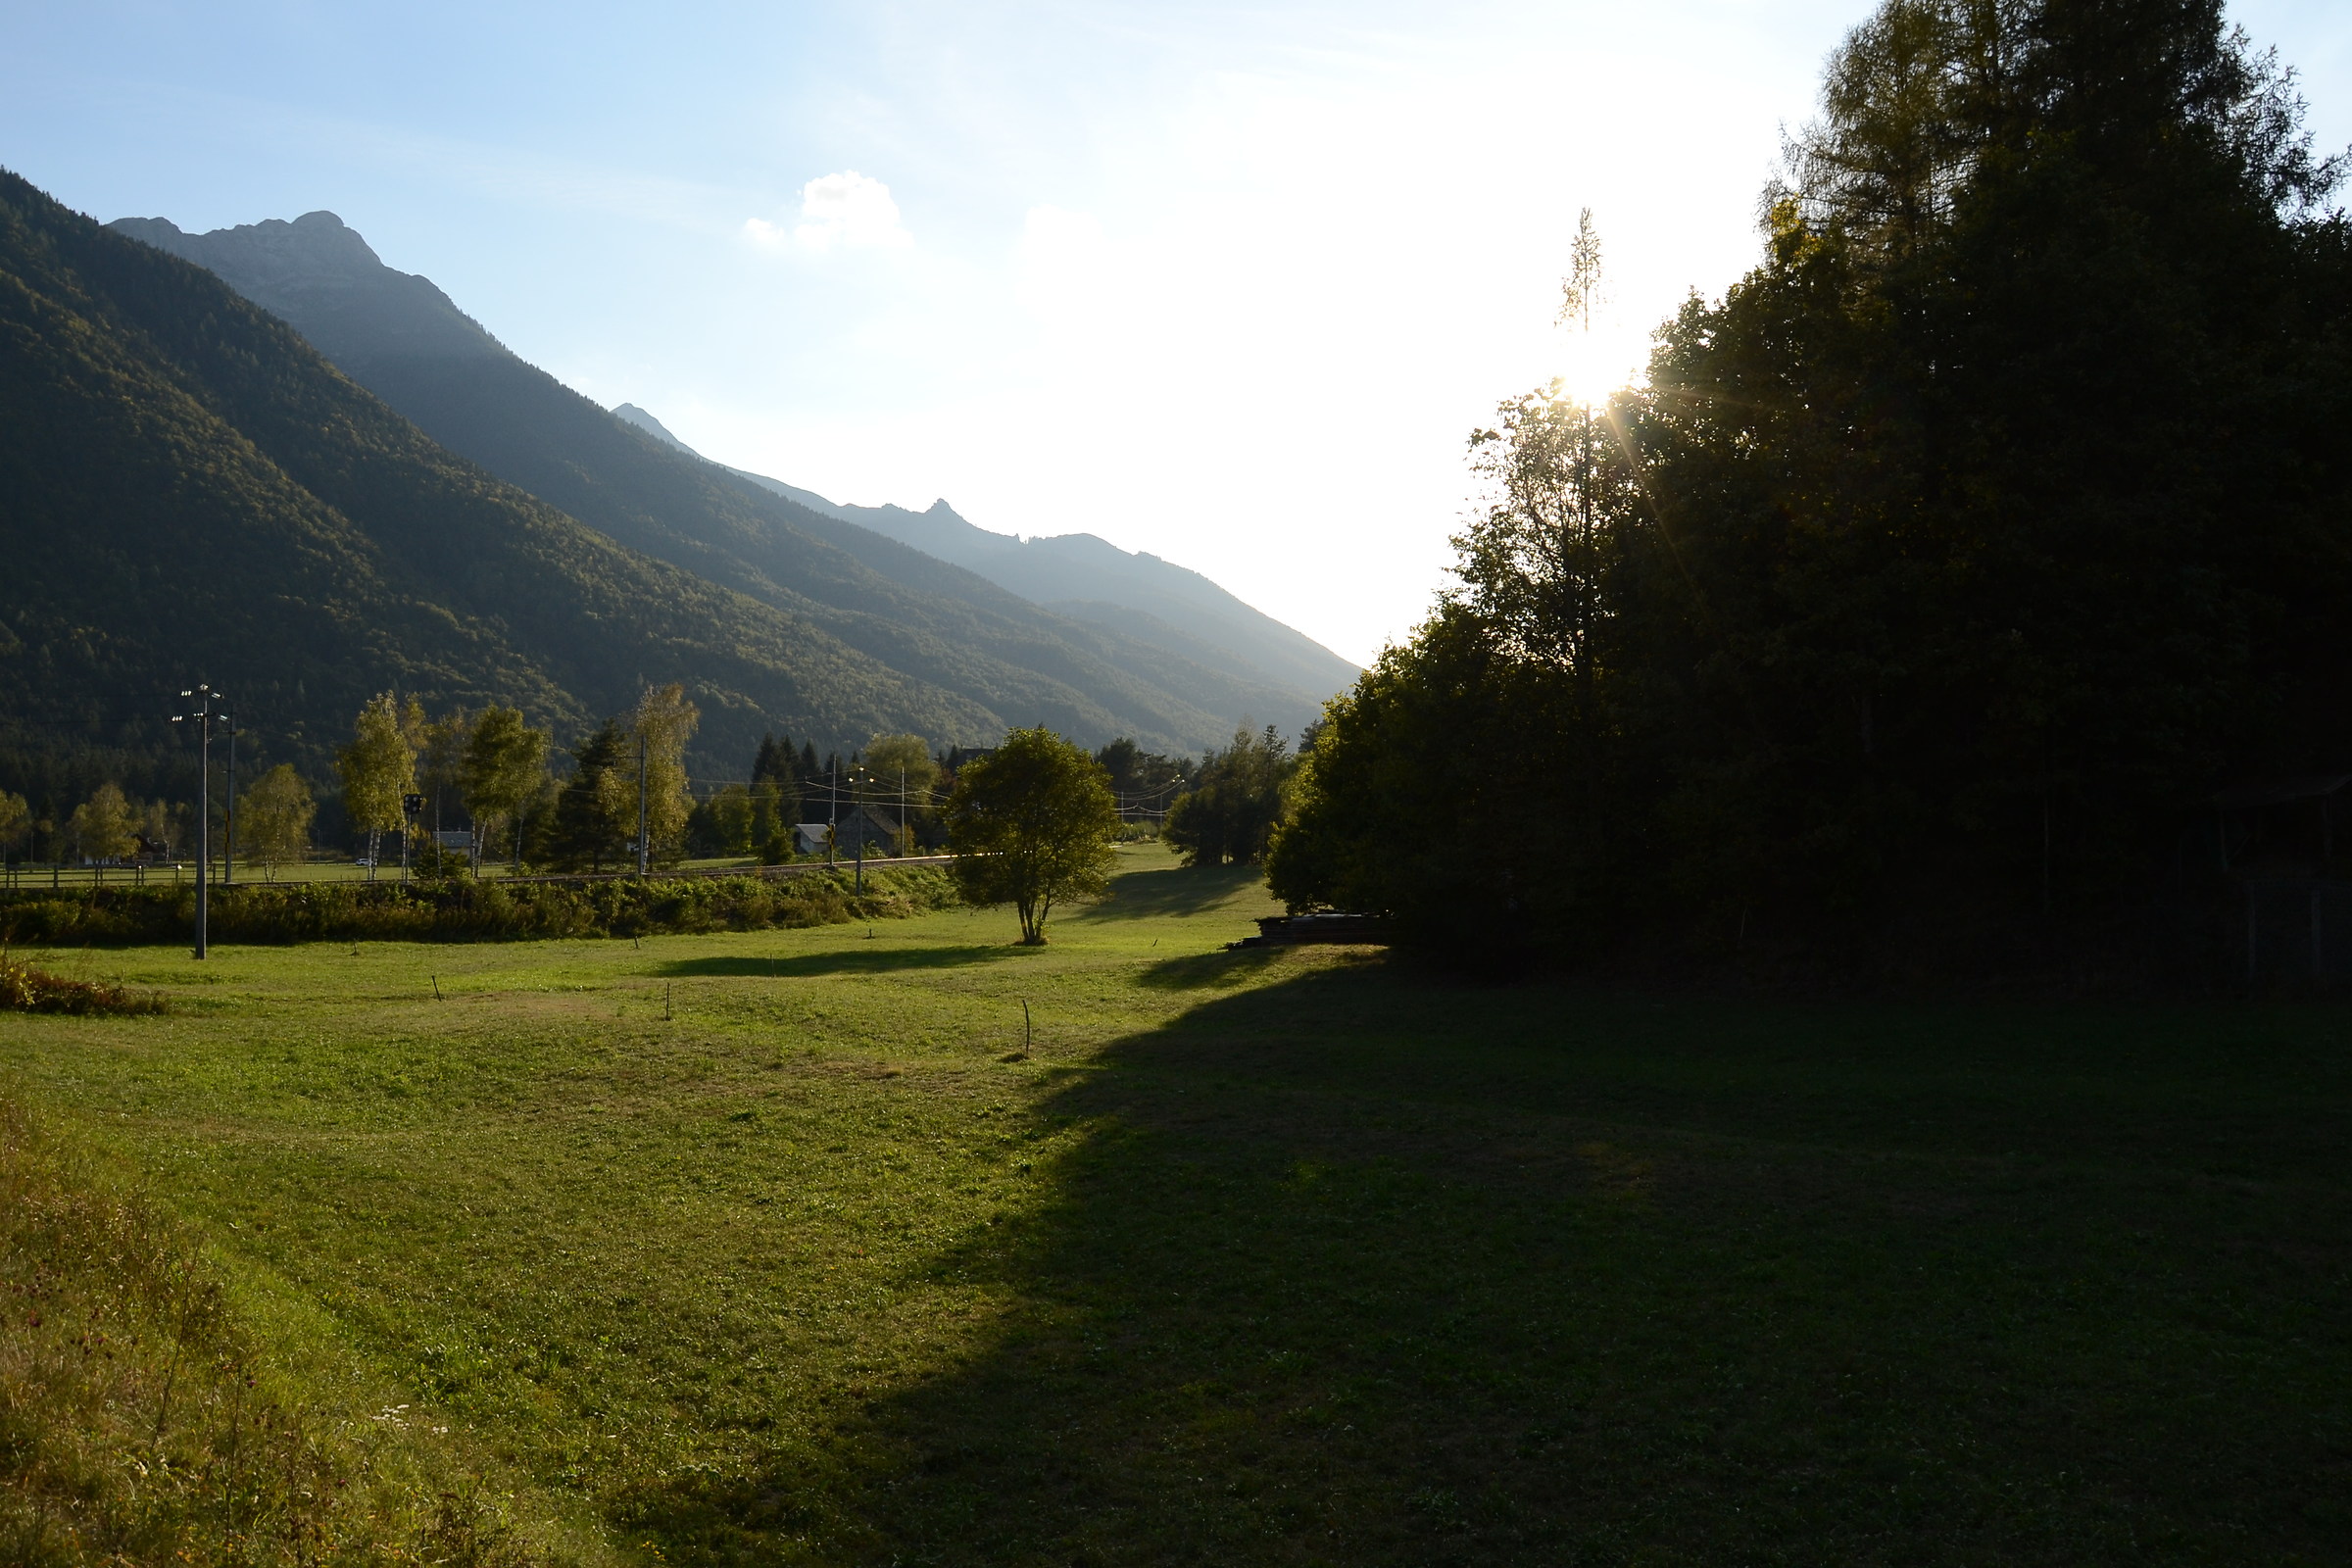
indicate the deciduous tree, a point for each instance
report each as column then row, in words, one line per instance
column 1235, row 801
column 502, row 771
column 1031, row 825
column 103, row 824
column 906, row 773
column 275, row 818
column 662, row 724
column 15, row 817
column 379, row 769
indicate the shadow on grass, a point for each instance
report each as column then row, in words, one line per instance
column 877, row 960
column 1198, row 971
column 1185, row 890
column 1349, row 1270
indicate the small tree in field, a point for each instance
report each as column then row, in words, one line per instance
column 1031, row 826
column 103, row 824
column 379, row 767
column 277, row 814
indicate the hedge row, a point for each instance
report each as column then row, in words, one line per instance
column 466, row 910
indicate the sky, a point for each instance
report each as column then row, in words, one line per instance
column 1231, row 284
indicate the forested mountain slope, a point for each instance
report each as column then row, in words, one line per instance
column 191, row 492
column 940, row 623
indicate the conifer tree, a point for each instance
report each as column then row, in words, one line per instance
column 596, row 810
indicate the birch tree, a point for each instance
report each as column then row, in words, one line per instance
column 658, row 730
column 379, row 767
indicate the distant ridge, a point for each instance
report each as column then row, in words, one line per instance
column 653, row 427
column 1088, row 578
column 317, row 268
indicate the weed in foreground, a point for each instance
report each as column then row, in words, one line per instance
column 139, row 1425
column 24, row 989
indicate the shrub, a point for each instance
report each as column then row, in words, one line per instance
column 24, row 989
column 496, row 911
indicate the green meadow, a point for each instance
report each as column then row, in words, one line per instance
column 809, row 1246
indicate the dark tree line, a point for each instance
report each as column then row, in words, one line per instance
column 1235, row 802
column 1950, row 562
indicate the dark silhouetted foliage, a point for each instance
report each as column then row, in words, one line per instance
column 1945, row 566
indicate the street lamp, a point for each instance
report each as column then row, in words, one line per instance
column 858, row 778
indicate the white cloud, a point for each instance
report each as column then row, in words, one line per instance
column 844, row 211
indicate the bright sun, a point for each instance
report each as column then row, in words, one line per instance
column 1599, row 363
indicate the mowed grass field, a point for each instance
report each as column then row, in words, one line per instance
column 794, row 1248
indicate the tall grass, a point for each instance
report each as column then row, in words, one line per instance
column 468, row 911
column 140, row 1424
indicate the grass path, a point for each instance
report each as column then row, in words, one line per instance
column 777, row 1248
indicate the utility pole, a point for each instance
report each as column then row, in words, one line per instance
column 640, row 812
column 858, row 805
column 203, row 706
column 229, row 803
column 832, row 807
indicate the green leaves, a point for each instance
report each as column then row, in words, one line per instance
column 1031, row 825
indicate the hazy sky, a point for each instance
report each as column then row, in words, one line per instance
column 1230, row 284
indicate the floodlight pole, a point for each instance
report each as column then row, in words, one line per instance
column 640, row 812
column 201, row 712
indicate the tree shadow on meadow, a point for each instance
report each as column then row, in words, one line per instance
column 1181, row 890
column 847, row 960
column 1200, row 971
column 1355, row 1268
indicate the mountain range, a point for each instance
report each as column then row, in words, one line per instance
column 188, row 491
column 1119, row 644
